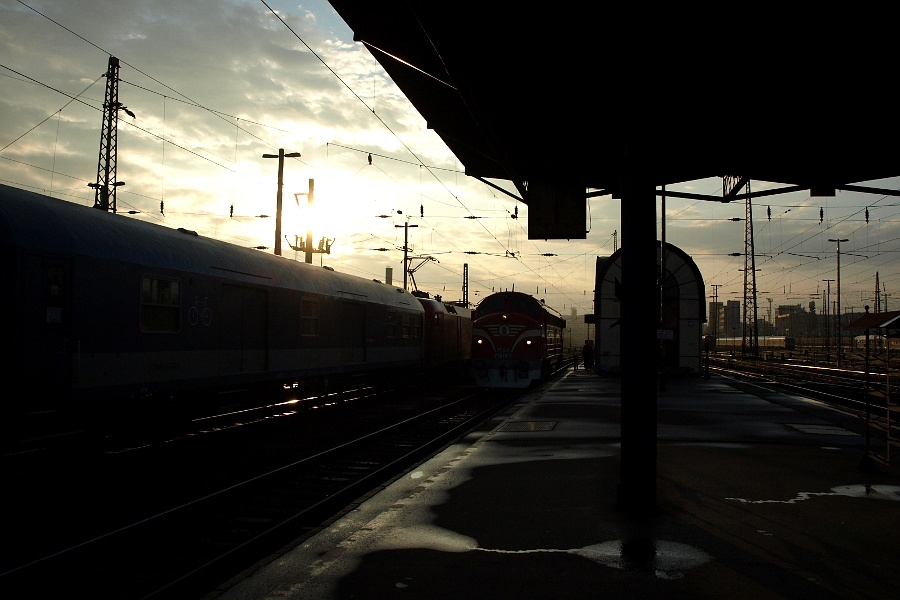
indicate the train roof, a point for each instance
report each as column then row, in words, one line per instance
column 438, row 306
column 517, row 301
column 41, row 224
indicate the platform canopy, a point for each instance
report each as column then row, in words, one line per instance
column 561, row 97
column 568, row 100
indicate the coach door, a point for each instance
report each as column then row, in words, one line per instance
column 244, row 329
column 46, row 349
column 353, row 327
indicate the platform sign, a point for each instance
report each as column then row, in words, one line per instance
column 556, row 211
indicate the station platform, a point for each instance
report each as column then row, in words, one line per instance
column 760, row 495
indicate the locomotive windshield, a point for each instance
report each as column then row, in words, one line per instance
column 519, row 303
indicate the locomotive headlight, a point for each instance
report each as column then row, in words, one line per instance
column 527, row 342
column 479, row 341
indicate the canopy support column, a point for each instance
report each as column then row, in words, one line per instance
column 640, row 319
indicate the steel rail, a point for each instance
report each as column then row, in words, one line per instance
column 269, row 482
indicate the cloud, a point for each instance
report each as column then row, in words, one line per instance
column 215, row 84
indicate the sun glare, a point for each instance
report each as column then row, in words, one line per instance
column 337, row 212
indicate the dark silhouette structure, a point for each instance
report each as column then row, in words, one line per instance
column 605, row 99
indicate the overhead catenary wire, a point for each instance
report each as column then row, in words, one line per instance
column 167, row 137
column 377, row 116
column 190, row 101
column 787, row 217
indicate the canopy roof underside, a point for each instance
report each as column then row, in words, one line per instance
column 575, row 97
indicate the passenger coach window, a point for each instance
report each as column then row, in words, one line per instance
column 406, row 327
column 392, row 325
column 309, row 317
column 160, row 306
column 411, row 326
column 54, row 294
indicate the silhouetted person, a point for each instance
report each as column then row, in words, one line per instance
column 587, row 352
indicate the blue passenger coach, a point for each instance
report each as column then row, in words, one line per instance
column 105, row 309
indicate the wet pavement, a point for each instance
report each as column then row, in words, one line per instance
column 759, row 496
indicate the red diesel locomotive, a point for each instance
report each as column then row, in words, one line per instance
column 517, row 340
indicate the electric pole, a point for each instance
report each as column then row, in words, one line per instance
column 827, row 315
column 307, row 246
column 750, row 314
column 405, row 227
column 839, row 240
column 309, row 195
column 465, row 288
column 280, row 156
column 105, row 187
column 877, row 294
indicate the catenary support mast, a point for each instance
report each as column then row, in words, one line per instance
column 105, row 187
column 750, row 332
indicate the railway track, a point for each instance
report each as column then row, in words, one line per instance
column 837, row 387
column 208, row 531
column 89, row 432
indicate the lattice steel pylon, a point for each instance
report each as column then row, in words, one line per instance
column 105, row 187
column 750, row 335
column 877, row 294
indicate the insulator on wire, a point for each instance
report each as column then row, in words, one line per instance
column 231, row 212
column 867, row 215
column 769, row 212
column 821, row 214
column 422, row 210
column 162, row 206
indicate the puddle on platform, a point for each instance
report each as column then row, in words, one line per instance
column 666, row 560
column 874, row 492
column 878, row 492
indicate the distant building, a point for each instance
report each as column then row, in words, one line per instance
column 731, row 324
column 714, row 325
column 791, row 319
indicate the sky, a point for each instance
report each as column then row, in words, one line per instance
column 215, row 84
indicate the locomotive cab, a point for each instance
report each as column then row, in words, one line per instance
column 516, row 340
